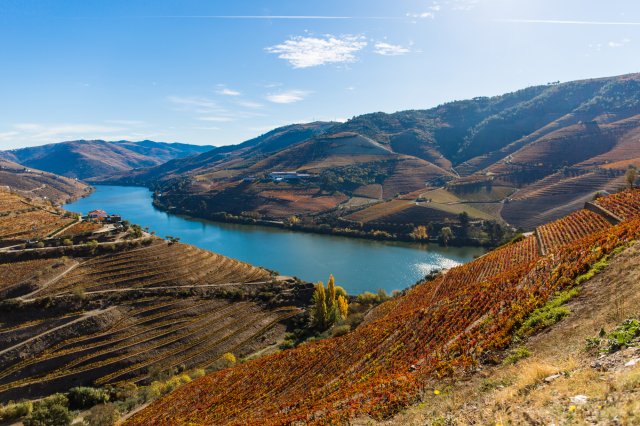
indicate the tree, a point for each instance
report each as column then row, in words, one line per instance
column 630, row 176
column 51, row 411
column 420, row 233
column 463, row 218
column 446, row 235
column 343, row 307
column 320, row 307
column 327, row 307
column 102, row 415
column 330, row 296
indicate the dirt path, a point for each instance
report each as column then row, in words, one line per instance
column 51, row 281
column 87, row 315
column 161, row 288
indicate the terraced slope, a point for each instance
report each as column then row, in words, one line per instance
column 21, row 219
column 159, row 265
column 87, row 319
column 130, row 340
column 440, row 327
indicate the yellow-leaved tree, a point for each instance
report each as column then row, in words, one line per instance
column 329, row 304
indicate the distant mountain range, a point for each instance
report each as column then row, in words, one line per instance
column 525, row 157
column 85, row 159
column 522, row 158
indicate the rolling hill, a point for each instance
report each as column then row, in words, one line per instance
column 85, row 159
column 534, row 154
column 34, row 183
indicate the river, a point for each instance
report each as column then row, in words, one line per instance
column 358, row 265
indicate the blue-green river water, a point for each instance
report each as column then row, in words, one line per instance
column 357, row 265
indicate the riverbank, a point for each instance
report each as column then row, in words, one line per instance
column 346, row 230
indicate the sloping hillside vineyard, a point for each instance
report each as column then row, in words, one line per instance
column 124, row 308
column 440, row 327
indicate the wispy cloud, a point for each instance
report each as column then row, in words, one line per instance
column 190, row 102
column 422, row 15
column 306, row 52
column 620, row 43
column 253, row 17
column 216, row 118
column 464, row 5
column 249, row 104
column 566, row 22
column 288, row 97
column 228, row 92
column 388, row 49
column 37, row 133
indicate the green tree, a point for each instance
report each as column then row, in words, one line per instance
column 446, row 235
column 51, row 411
column 463, row 218
column 320, row 317
column 630, row 176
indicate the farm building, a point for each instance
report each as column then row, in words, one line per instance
column 280, row 176
column 98, row 215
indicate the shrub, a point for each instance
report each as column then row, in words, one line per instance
column 85, row 397
column 102, row 415
column 15, row 410
column 623, row 335
column 67, row 242
column 51, row 411
column 516, row 355
column 549, row 314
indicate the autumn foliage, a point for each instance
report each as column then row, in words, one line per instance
column 440, row 327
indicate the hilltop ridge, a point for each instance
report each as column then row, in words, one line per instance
column 522, row 158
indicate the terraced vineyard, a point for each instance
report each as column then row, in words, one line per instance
column 130, row 340
column 22, row 220
column 440, row 327
column 158, row 265
column 129, row 314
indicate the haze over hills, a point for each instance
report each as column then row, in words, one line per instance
column 524, row 158
column 85, row 159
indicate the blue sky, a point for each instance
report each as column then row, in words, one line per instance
column 220, row 72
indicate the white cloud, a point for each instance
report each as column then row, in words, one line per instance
column 422, row 15
column 35, row 133
column 464, row 5
column 306, row 52
column 188, row 102
column 620, row 43
column 250, row 104
column 388, row 49
column 287, row 97
column 228, row 92
column 217, row 119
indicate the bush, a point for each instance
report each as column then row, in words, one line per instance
column 552, row 312
column 516, row 355
column 51, row 411
column 15, row 410
column 67, row 242
column 85, row 397
column 102, row 415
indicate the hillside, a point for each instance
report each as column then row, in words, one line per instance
column 33, row 183
column 442, row 328
column 85, row 159
column 556, row 367
column 102, row 305
column 523, row 158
